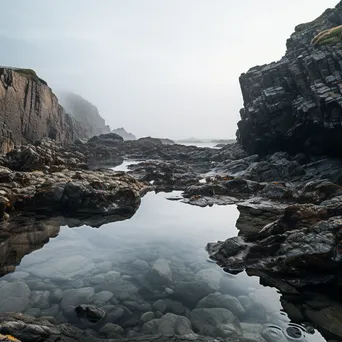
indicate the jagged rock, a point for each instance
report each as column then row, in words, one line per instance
column 303, row 246
column 295, row 104
column 90, row 313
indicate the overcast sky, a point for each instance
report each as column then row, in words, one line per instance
column 166, row 68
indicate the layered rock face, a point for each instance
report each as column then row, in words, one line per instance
column 87, row 120
column 29, row 110
column 295, row 104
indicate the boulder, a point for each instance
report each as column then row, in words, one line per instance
column 74, row 297
column 160, row 272
column 216, row 322
column 14, row 296
column 90, row 313
column 169, row 324
column 218, row 300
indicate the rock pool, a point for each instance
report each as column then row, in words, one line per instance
column 148, row 275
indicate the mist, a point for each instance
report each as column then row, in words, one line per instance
column 158, row 68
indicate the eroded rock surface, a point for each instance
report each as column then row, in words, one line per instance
column 295, row 104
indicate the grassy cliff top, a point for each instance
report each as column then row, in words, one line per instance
column 330, row 36
column 29, row 73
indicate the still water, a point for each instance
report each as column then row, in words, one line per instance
column 150, row 274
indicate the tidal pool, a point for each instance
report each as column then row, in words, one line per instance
column 150, row 274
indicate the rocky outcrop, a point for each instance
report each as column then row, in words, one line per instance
column 88, row 120
column 29, row 110
column 301, row 248
column 295, row 104
column 125, row 135
column 50, row 180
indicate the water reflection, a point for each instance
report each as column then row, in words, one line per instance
column 144, row 273
column 21, row 236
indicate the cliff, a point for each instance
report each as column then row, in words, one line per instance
column 88, row 120
column 295, row 104
column 29, row 110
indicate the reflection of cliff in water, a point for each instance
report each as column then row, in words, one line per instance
column 21, row 236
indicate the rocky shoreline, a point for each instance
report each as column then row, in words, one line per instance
column 284, row 175
column 288, row 229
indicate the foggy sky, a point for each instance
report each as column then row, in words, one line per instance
column 166, row 68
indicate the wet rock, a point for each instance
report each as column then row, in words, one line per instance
column 218, row 300
column 169, row 324
column 274, row 170
column 174, row 307
column 103, row 297
column 169, row 291
column 18, row 275
column 211, row 277
column 113, row 313
column 90, row 313
column 160, row 272
column 215, row 322
column 298, row 245
column 147, row 316
column 52, row 311
column 104, row 266
column 251, row 328
column 56, row 295
column 256, row 214
column 98, row 279
column 111, row 330
column 122, row 289
column 112, row 276
column 14, row 296
column 64, row 268
column 191, row 292
column 74, row 297
column 40, row 299
column 27, row 328
column 35, row 312
column 160, row 305
column 140, row 265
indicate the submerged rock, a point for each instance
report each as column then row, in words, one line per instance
column 14, row 296
column 215, row 322
column 169, row 324
column 218, row 300
column 90, row 313
column 74, row 297
column 160, row 272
